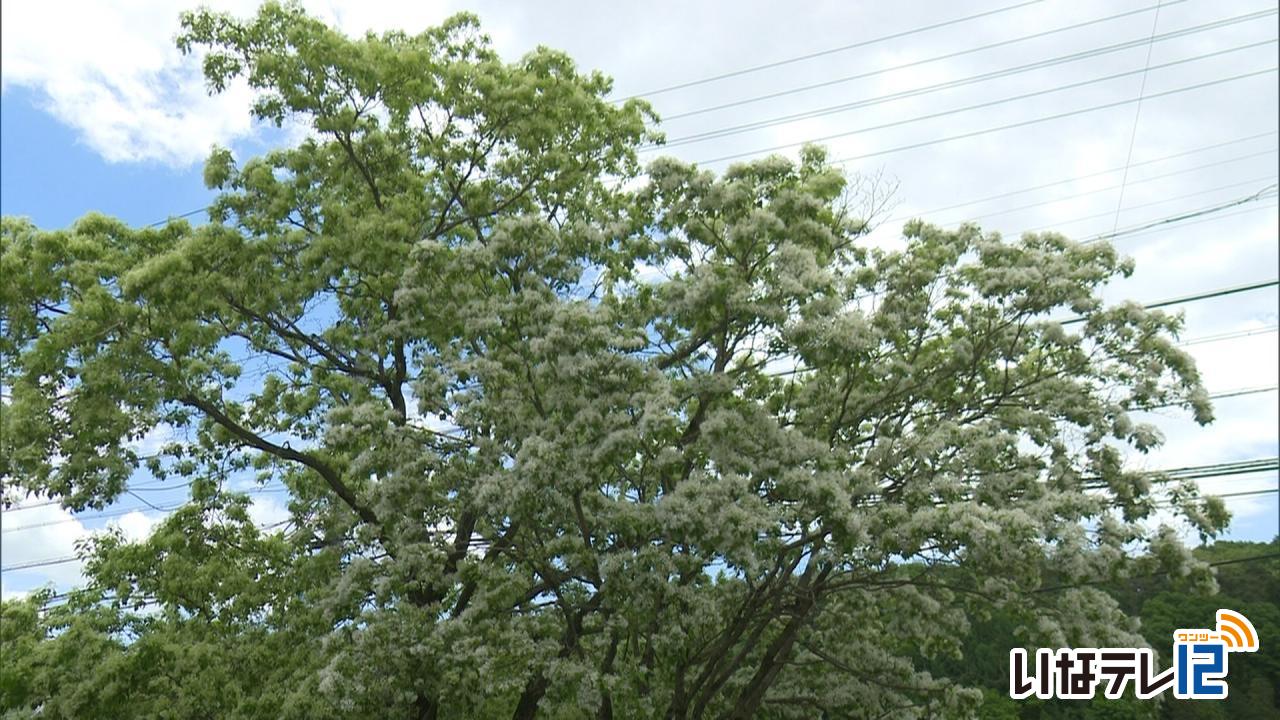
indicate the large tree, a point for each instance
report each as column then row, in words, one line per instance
column 563, row 437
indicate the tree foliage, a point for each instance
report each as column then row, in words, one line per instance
column 563, row 437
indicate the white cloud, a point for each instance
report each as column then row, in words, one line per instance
column 114, row 76
column 267, row 511
column 112, row 72
column 136, row 526
column 35, row 533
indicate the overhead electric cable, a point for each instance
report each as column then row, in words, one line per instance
column 1220, row 563
column 39, row 564
column 936, row 58
column 1087, row 193
column 1221, row 292
column 717, row 133
column 1110, row 187
column 1000, row 128
column 1011, row 126
column 1252, row 197
column 1185, row 223
column 1137, row 114
column 830, row 51
column 1108, row 171
column 1264, row 193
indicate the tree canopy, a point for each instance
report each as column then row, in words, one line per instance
column 564, row 436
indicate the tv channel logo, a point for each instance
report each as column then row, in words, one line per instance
column 1199, row 670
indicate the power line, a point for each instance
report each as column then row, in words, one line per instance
column 1146, row 228
column 1185, row 343
column 39, row 564
column 93, row 516
column 1000, row 196
column 1013, row 99
column 186, row 214
column 1213, row 218
column 1265, row 193
column 1213, row 396
column 1235, row 289
column 74, row 558
column 1182, row 218
column 1270, row 462
column 159, row 486
column 1221, row 292
column 32, row 506
column 936, row 58
column 1204, row 210
column 1065, row 181
column 1230, row 335
column 1220, row 563
column 1247, row 493
column 1087, row 193
column 1216, row 470
column 261, row 490
column 1200, row 472
column 951, row 84
column 1246, row 391
column 829, row 51
column 1194, row 472
column 1137, row 113
column 1011, row 126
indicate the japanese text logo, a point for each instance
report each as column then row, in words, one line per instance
column 1199, row 670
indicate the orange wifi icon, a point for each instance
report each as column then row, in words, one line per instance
column 1237, row 632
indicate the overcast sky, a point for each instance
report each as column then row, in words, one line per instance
column 109, row 116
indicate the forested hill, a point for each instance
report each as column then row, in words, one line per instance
column 1247, row 585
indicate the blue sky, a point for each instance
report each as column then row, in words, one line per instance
column 113, row 119
column 49, row 175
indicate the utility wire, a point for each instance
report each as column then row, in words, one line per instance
column 73, row 558
column 1011, row 126
column 1241, row 18
column 1000, row 196
column 1265, row 193
column 1087, row 193
column 718, row 133
column 39, row 564
column 1216, row 470
column 1209, row 294
column 1186, row 473
column 1137, row 114
column 1247, row 493
column 1266, row 463
column 1107, row 188
column 1216, row 396
column 1066, row 181
column 1204, row 210
column 93, row 516
column 1246, row 391
column 265, row 488
column 186, row 214
column 1000, row 128
column 1149, row 227
column 1202, row 220
column 159, row 486
column 1195, row 472
column 1213, row 396
column 829, row 51
column 1230, row 335
column 125, row 511
column 1179, row 219
column 1220, row 563
column 1143, row 227
column 936, row 58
